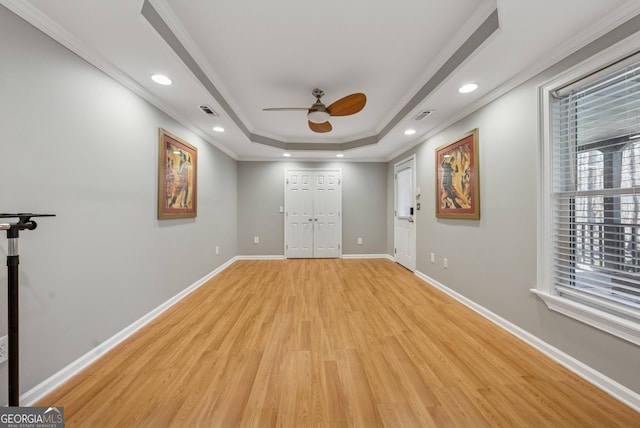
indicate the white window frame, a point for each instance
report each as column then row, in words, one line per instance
column 619, row 326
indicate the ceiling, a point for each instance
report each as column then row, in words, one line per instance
column 239, row 57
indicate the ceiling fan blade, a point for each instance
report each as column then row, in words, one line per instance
column 320, row 127
column 285, row 108
column 351, row 104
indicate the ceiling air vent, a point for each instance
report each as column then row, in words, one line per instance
column 422, row 114
column 208, row 110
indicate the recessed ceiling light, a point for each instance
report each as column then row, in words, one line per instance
column 161, row 79
column 218, row 128
column 339, row 155
column 469, row 87
column 286, row 155
column 409, row 132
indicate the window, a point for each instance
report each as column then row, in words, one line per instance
column 593, row 200
column 404, row 193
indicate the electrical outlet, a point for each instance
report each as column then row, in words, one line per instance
column 4, row 348
column 359, row 241
column 445, row 263
column 256, row 239
column 217, row 250
column 433, row 257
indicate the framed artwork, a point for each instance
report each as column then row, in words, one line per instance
column 177, row 177
column 457, row 181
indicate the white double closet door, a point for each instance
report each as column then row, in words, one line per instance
column 313, row 221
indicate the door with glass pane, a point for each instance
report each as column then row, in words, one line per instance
column 404, row 218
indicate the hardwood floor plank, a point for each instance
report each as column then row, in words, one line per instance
column 328, row 343
column 460, row 408
column 361, row 410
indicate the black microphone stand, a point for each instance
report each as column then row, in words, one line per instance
column 13, row 232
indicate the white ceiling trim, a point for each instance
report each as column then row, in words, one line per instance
column 610, row 22
column 466, row 31
column 626, row 13
column 169, row 17
column 34, row 17
column 480, row 34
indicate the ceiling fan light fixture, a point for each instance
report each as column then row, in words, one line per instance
column 318, row 116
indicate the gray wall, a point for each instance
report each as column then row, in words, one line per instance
column 261, row 193
column 492, row 261
column 76, row 143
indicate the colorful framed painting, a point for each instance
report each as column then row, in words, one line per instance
column 177, row 177
column 457, row 181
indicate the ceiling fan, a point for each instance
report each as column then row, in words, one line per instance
column 318, row 114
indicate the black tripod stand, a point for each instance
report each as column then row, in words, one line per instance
column 13, row 232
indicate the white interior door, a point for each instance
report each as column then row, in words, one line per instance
column 313, row 226
column 404, row 218
column 326, row 234
column 299, row 215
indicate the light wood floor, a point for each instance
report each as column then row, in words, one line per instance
column 360, row 343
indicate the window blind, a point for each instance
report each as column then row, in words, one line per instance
column 596, row 191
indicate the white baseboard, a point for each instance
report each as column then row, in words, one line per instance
column 344, row 256
column 367, row 256
column 39, row 391
column 266, row 257
column 608, row 385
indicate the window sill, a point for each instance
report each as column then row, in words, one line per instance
column 612, row 324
